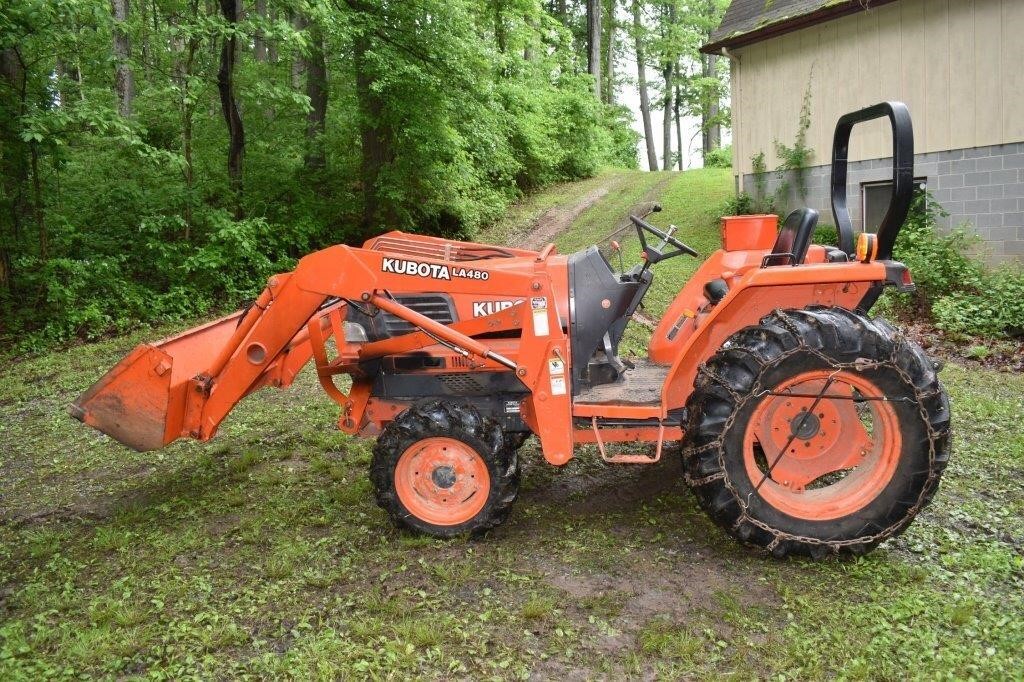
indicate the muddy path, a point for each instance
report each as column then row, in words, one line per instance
column 560, row 218
column 557, row 219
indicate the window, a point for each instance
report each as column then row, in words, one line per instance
column 875, row 197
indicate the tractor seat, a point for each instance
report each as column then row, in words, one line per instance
column 794, row 238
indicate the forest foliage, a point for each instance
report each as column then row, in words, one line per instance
column 161, row 158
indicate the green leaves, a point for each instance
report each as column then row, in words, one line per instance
column 136, row 212
column 964, row 297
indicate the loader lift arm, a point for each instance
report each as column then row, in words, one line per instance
column 187, row 385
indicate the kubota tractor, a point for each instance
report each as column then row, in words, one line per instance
column 806, row 426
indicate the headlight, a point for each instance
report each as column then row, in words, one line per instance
column 355, row 333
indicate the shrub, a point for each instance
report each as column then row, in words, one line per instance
column 745, row 204
column 826, row 235
column 939, row 263
column 719, row 158
column 962, row 297
column 996, row 307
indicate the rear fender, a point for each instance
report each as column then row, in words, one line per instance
column 754, row 295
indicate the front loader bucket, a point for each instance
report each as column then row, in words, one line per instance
column 141, row 402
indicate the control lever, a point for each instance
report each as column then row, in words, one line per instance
column 617, row 248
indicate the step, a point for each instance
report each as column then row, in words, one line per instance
column 641, row 385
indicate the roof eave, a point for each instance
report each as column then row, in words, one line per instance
column 789, row 25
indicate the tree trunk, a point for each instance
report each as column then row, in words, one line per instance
column 712, row 131
column 641, row 74
column 259, row 43
column 609, row 71
column 272, row 55
column 316, row 90
column 78, row 78
column 37, row 203
column 679, row 125
column 60, row 70
column 500, row 34
column 183, row 70
column 13, row 162
column 189, row 172
column 232, row 116
column 124, row 79
column 298, row 62
column 374, row 138
column 594, row 43
column 668, row 71
column 666, row 128
column 528, row 49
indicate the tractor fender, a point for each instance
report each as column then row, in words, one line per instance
column 752, row 296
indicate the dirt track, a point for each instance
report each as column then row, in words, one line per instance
column 556, row 220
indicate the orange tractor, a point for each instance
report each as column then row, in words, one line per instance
column 806, row 426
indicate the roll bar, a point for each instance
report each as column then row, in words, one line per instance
column 902, row 174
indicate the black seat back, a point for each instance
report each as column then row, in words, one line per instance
column 794, row 238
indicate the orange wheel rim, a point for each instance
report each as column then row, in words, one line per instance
column 442, row 481
column 839, row 457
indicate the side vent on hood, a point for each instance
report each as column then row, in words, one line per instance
column 437, row 307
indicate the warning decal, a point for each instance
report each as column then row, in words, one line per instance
column 540, row 315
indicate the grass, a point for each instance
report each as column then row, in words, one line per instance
column 262, row 553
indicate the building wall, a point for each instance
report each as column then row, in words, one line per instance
column 982, row 187
column 957, row 64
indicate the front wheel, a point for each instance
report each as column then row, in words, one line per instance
column 817, row 431
column 442, row 469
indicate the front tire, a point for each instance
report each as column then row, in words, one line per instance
column 442, row 469
column 816, row 432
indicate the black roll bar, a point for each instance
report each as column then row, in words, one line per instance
column 902, row 174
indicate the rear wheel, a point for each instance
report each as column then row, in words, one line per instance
column 442, row 469
column 817, row 431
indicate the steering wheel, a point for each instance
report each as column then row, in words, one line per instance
column 651, row 254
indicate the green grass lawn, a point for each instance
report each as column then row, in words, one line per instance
column 262, row 553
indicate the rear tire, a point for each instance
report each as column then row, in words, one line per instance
column 858, row 474
column 442, row 469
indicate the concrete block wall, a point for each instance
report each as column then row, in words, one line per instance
column 982, row 188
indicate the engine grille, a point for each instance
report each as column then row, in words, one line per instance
column 437, row 307
column 464, row 384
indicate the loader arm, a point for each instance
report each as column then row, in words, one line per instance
column 186, row 386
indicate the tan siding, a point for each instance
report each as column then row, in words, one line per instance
column 912, row 64
column 845, row 96
column 958, row 64
column 936, row 65
column 869, row 86
column 890, row 59
column 778, row 107
column 987, row 103
column 1013, row 70
column 810, row 54
column 961, row 74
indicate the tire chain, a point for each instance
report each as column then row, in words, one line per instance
column 779, row 536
